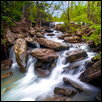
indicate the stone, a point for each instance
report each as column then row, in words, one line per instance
column 73, row 55
column 10, row 36
column 92, row 74
column 74, row 84
column 88, row 64
column 30, row 42
column 64, row 91
column 52, row 44
column 43, row 54
column 72, row 39
column 6, row 75
column 50, row 34
column 6, row 64
column 65, row 35
column 20, row 49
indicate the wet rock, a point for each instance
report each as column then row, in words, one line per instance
column 58, row 27
column 6, row 75
column 64, row 91
column 92, row 74
column 79, row 33
column 74, row 84
column 6, row 64
column 88, row 64
column 39, row 35
column 66, row 69
column 48, row 30
column 16, row 36
column 50, row 34
column 94, row 60
column 72, row 39
column 98, row 97
column 52, row 44
column 20, row 49
column 38, row 29
column 91, row 44
column 57, row 98
column 41, row 72
column 46, row 55
column 75, row 54
column 10, row 36
column 65, row 35
column 30, row 42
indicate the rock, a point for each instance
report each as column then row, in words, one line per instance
column 65, row 35
column 79, row 33
column 92, row 74
column 66, row 69
column 64, row 91
column 20, row 49
column 6, row 64
column 56, row 98
column 94, row 60
column 75, row 54
column 88, row 64
column 91, row 43
column 39, row 35
column 16, row 36
column 91, row 32
column 10, row 36
column 75, row 85
column 6, row 75
column 72, row 39
column 41, row 72
column 98, row 97
column 33, row 32
column 30, row 42
column 50, row 34
column 58, row 27
column 46, row 55
column 38, row 29
column 48, row 30
column 52, row 44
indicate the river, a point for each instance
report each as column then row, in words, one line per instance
column 29, row 87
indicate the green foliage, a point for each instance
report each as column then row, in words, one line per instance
column 98, row 56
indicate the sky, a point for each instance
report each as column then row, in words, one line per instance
column 59, row 12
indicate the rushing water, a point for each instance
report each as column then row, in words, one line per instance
column 29, row 87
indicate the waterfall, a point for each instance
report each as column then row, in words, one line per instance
column 30, row 87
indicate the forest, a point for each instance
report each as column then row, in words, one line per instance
column 58, row 53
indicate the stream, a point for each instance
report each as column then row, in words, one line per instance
column 29, row 87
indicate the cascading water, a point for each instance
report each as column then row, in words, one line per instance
column 30, row 87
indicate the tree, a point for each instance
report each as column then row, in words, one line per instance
column 37, row 18
column 31, row 15
column 68, row 12
column 88, row 11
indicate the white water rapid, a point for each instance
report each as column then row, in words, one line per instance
column 30, row 87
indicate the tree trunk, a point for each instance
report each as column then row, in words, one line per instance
column 37, row 18
column 40, row 15
column 68, row 13
column 93, row 11
column 88, row 9
column 23, row 25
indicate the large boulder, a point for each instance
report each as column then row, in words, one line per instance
column 58, row 27
column 73, row 55
column 30, row 42
column 17, row 35
column 72, row 39
column 48, row 30
column 43, row 54
column 20, row 49
column 10, row 36
column 64, row 91
column 65, row 35
column 6, row 64
column 52, row 44
column 74, row 84
column 92, row 74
